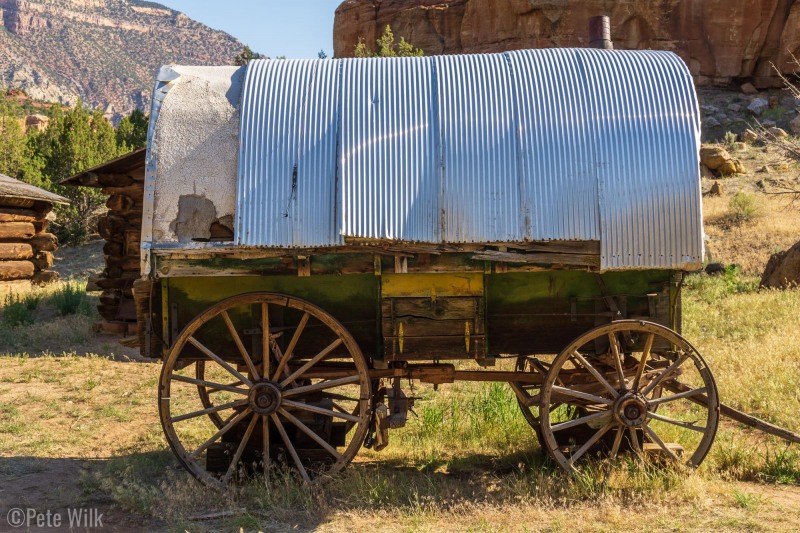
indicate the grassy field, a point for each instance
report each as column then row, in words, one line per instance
column 467, row 461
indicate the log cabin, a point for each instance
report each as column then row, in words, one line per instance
column 26, row 247
column 122, row 179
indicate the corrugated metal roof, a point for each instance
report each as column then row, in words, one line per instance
column 556, row 144
column 13, row 188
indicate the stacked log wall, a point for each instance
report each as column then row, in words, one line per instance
column 121, row 229
column 26, row 247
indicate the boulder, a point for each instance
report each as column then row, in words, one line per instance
column 711, row 122
column 778, row 133
column 758, row 106
column 748, row 136
column 794, row 125
column 720, row 161
column 734, row 108
column 749, row 88
column 783, row 269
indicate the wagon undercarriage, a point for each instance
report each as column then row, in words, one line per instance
column 312, row 399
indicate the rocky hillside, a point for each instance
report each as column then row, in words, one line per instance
column 720, row 40
column 104, row 51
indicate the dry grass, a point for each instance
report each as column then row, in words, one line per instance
column 750, row 243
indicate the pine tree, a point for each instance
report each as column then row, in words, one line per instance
column 132, row 132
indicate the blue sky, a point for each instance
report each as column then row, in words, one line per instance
column 291, row 28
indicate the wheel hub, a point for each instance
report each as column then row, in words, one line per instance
column 265, row 398
column 631, row 410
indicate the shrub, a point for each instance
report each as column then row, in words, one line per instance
column 71, row 299
column 745, row 207
column 729, row 140
column 18, row 311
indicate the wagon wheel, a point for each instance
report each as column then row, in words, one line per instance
column 621, row 400
column 306, row 404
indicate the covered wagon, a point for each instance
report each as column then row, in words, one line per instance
column 318, row 232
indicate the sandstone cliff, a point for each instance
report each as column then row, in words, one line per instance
column 720, row 40
column 104, row 51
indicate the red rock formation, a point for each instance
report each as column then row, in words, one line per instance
column 719, row 40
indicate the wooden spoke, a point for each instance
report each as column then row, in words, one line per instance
column 321, row 410
column 678, row 396
column 308, row 431
column 292, row 343
column 238, row 341
column 597, row 375
column 209, row 410
column 652, row 434
column 265, row 346
column 581, row 420
column 240, row 449
column 617, row 442
column 681, row 423
column 648, row 345
column 316, row 359
column 234, row 384
column 290, row 448
column 321, row 385
column 634, row 440
column 582, row 395
column 210, row 384
column 665, row 374
column 612, row 338
column 224, row 429
column 197, row 344
column 265, row 444
column 589, row 443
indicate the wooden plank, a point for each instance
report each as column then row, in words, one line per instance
column 427, row 327
column 431, row 285
column 448, row 307
column 437, row 347
column 11, row 270
column 17, row 230
column 544, row 258
column 13, row 250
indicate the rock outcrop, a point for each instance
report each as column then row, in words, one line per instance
column 720, row 40
column 105, row 52
column 783, row 269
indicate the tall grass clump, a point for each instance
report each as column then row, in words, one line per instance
column 745, row 207
column 71, row 299
column 18, row 310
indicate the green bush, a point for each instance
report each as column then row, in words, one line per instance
column 710, row 288
column 71, row 299
column 729, row 140
column 745, row 207
column 18, row 311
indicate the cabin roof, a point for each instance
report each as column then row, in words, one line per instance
column 14, row 188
